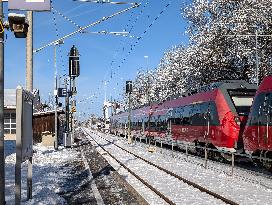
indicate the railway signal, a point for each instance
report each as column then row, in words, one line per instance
column 74, row 69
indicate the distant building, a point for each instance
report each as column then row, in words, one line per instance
column 10, row 112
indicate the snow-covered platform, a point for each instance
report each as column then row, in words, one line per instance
column 69, row 176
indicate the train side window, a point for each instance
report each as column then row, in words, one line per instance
column 209, row 112
column 186, row 115
column 197, row 117
column 256, row 110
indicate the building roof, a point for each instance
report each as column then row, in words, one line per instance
column 10, row 98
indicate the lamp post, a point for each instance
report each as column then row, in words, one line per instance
column 56, row 94
column 129, row 91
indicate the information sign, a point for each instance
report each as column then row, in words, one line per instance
column 30, row 5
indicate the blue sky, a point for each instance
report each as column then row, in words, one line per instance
column 97, row 51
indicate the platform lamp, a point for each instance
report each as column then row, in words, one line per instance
column 128, row 92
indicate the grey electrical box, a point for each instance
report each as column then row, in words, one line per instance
column 67, row 141
column 24, row 133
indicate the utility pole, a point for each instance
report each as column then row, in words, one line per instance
column 2, row 150
column 56, row 99
column 29, row 87
column 56, row 94
column 129, row 91
column 129, row 119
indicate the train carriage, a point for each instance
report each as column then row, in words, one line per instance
column 258, row 132
column 213, row 114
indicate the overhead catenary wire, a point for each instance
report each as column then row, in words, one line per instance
column 121, row 47
column 132, row 46
column 104, row 2
column 86, row 27
column 127, row 27
column 66, row 18
column 57, row 34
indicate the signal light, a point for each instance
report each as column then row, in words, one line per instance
column 74, row 68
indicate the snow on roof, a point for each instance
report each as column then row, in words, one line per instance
column 10, row 98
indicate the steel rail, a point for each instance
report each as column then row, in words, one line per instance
column 165, row 198
column 256, row 173
column 202, row 189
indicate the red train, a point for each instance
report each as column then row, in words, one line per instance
column 258, row 132
column 214, row 115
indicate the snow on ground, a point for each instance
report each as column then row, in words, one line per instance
column 232, row 187
column 51, row 174
column 166, row 184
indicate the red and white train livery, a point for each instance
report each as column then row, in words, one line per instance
column 215, row 115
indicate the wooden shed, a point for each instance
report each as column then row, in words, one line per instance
column 45, row 122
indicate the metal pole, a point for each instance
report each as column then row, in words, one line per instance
column 232, row 163
column 186, row 151
column 29, row 87
column 161, row 145
column 257, row 58
column 2, row 151
column 129, row 120
column 67, row 107
column 172, row 148
column 56, row 99
column 206, row 157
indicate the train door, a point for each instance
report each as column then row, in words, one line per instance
column 176, row 126
column 186, row 123
column 264, row 123
column 269, row 123
column 206, row 110
column 198, row 123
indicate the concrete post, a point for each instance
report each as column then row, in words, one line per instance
column 29, row 87
column 29, row 53
column 56, row 99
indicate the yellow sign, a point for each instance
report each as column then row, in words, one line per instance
column 1, row 27
column 73, row 109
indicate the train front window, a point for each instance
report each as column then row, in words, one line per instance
column 242, row 104
column 242, row 100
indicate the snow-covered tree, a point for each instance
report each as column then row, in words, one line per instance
column 223, row 45
column 224, row 30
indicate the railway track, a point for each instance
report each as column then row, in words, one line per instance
column 213, row 163
column 182, row 180
column 212, row 166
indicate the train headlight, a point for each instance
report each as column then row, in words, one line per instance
column 237, row 120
